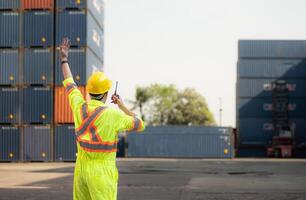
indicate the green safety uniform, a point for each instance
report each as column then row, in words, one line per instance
column 97, row 127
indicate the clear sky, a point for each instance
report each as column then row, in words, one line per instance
column 192, row 43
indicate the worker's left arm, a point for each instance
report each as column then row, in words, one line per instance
column 75, row 96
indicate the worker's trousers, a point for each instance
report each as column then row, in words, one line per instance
column 95, row 180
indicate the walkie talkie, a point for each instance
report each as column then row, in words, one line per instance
column 115, row 93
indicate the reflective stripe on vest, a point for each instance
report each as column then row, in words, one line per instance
column 95, row 144
column 70, row 86
column 84, row 111
column 136, row 125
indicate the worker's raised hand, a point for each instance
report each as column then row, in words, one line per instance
column 117, row 100
column 64, row 49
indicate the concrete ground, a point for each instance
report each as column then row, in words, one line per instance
column 166, row 179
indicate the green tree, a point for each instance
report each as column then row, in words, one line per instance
column 165, row 105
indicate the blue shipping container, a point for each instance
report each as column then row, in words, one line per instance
column 82, row 30
column 10, row 31
column 263, row 108
column 37, row 144
column 9, row 143
column 38, row 28
column 181, row 142
column 65, row 143
column 38, row 66
column 9, row 67
column 9, row 4
column 272, row 68
column 95, row 7
column 272, row 49
column 263, row 87
column 260, row 130
column 10, row 105
column 82, row 63
column 37, row 105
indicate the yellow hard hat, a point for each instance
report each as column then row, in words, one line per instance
column 98, row 83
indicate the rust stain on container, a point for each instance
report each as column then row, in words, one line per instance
column 37, row 4
column 62, row 112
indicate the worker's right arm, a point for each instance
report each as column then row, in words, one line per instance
column 125, row 119
column 124, row 122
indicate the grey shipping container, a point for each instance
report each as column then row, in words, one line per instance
column 37, row 144
column 9, row 26
column 9, row 143
column 272, row 68
column 9, row 4
column 37, row 105
column 82, row 30
column 263, row 87
column 262, row 107
column 96, row 7
column 259, row 131
column 9, row 67
column 272, row 49
column 10, row 105
column 190, row 142
column 65, row 143
column 38, row 28
column 82, row 61
column 38, row 66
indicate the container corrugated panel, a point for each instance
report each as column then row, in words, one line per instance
column 264, row 87
column 272, row 49
column 65, row 143
column 71, row 24
column 260, row 130
column 95, row 37
column 260, row 107
column 189, row 142
column 10, row 105
column 82, row 63
column 121, row 146
column 9, row 4
column 38, row 66
column 81, row 29
column 38, row 28
column 9, row 67
column 9, row 143
column 10, row 29
column 37, row 4
column 77, row 63
column 93, row 63
column 37, row 105
column 37, row 143
column 62, row 110
column 272, row 68
column 96, row 7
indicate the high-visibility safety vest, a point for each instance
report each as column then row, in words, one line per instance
column 97, row 126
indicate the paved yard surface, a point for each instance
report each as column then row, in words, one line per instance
column 166, row 179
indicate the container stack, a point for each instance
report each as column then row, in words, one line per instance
column 82, row 22
column 10, row 80
column 260, row 64
column 36, row 123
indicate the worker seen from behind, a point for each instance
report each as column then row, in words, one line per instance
column 97, row 127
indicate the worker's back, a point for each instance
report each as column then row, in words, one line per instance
column 97, row 126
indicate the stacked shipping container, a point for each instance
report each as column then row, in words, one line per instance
column 30, row 73
column 260, row 64
column 79, row 21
